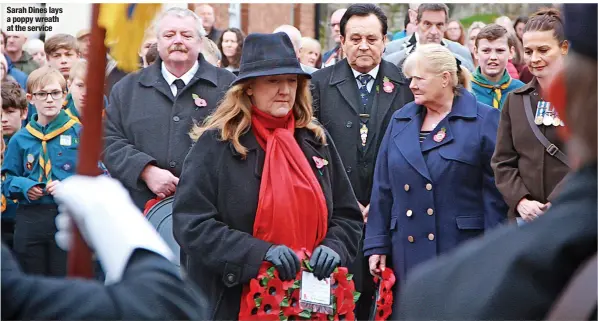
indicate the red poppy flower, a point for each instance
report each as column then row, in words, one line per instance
column 255, row 291
column 303, row 254
column 293, row 308
column 275, row 288
column 383, row 312
column 348, row 316
column 270, row 305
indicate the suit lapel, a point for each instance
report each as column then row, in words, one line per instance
column 408, row 143
column 383, row 101
column 342, row 77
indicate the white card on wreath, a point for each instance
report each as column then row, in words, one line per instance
column 314, row 290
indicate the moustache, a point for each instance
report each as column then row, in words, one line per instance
column 180, row 48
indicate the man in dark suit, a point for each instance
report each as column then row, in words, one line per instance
column 354, row 100
column 151, row 111
column 517, row 273
column 141, row 280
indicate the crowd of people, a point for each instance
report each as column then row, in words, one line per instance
column 385, row 151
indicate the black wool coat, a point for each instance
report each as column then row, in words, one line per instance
column 145, row 124
column 215, row 206
column 337, row 106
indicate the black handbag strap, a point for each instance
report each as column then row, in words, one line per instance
column 551, row 148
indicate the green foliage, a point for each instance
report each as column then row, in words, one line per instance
column 258, row 302
column 306, row 314
column 485, row 18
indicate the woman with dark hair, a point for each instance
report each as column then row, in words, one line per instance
column 528, row 162
column 519, row 25
column 230, row 45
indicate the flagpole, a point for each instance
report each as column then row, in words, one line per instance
column 90, row 146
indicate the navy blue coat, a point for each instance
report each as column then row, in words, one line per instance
column 422, row 206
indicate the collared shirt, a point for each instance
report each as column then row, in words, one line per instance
column 186, row 78
column 373, row 73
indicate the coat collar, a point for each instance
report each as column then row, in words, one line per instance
column 527, row 88
column 152, row 75
column 341, row 71
column 462, row 107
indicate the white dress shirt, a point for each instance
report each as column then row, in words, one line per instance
column 373, row 73
column 186, row 78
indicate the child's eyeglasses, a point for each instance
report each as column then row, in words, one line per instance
column 44, row 95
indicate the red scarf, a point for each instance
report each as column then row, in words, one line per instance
column 291, row 208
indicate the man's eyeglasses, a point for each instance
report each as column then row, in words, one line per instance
column 44, row 95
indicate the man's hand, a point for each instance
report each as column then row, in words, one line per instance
column 160, row 181
column 377, row 264
column 35, row 193
column 51, row 187
column 530, row 210
column 365, row 210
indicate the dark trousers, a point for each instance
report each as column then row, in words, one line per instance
column 8, row 231
column 34, row 242
column 364, row 283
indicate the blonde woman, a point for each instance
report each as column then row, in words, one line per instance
column 433, row 184
column 262, row 181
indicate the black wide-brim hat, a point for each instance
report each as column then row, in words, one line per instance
column 268, row 55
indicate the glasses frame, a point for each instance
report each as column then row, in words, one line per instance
column 42, row 95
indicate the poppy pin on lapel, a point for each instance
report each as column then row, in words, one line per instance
column 199, row 102
column 440, row 135
column 320, row 163
column 387, row 85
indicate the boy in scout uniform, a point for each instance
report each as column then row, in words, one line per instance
column 14, row 111
column 36, row 160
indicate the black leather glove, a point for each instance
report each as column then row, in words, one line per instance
column 285, row 261
column 324, row 260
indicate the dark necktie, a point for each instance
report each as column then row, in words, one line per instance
column 363, row 90
column 364, row 94
column 179, row 86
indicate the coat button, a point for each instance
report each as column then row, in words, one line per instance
column 406, row 187
column 172, row 164
column 431, row 237
column 176, row 118
column 349, row 124
column 409, row 213
column 429, row 187
column 410, row 239
column 349, row 169
column 230, row 278
column 430, row 211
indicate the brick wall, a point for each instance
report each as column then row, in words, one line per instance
column 265, row 18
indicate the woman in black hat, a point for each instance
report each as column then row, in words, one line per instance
column 262, row 181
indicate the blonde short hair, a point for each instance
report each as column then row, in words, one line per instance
column 78, row 70
column 437, row 59
column 44, row 76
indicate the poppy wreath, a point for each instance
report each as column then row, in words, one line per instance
column 269, row 298
column 385, row 298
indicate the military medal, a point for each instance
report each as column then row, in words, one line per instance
column 363, row 131
column 440, row 135
column 556, row 121
column 539, row 113
column 548, row 118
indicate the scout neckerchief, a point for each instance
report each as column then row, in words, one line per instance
column 69, row 107
column 61, row 124
column 498, row 87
